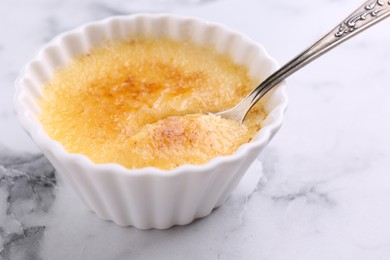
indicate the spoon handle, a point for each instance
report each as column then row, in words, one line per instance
column 368, row 14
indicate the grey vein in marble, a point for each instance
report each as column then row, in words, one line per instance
column 309, row 193
column 105, row 9
column 24, row 245
column 27, row 184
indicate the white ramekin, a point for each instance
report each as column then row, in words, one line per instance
column 149, row 197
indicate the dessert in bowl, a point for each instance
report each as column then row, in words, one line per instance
column 121, row 108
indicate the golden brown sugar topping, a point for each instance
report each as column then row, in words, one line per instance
column 142, row 103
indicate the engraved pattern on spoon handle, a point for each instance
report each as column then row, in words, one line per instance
column 366, row 15
column 363, row 16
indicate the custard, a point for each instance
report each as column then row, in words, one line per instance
column 145, row 102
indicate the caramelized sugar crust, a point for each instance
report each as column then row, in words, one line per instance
column 143, row 103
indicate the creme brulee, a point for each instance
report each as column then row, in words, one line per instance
column 142, row 103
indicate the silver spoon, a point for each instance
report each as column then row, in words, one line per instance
column 370, row 13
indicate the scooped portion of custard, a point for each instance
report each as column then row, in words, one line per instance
column 145, row 102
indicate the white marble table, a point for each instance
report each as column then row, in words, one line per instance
column 321, row 190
